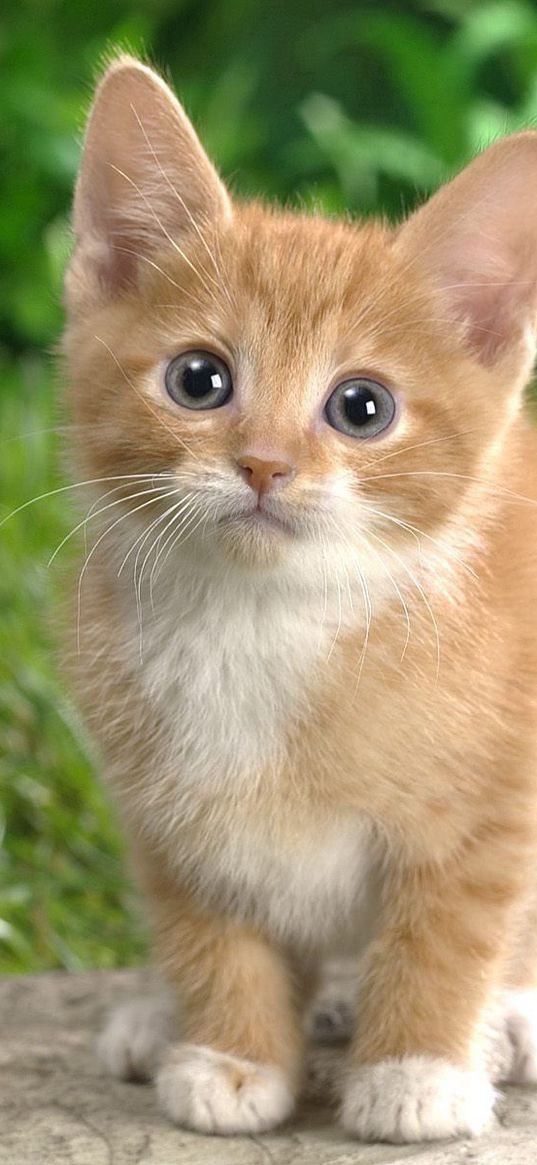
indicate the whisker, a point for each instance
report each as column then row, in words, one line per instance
column 503, row 491
column 138, row 574
column 88, row 558
column 398, row 592
column 368, row 607
column 77, row 485
column 339, row 621
column 325, row 591
column 368, row 611
column 188, row 505
column 139, row 586
column 142, row 538
column 176, row 532
column 421, row 592
column 417, row 533
column 173, row 243
column 419, row 445
column 137, row 578
column 151, row 263
column 96, row 513
column 185, row 207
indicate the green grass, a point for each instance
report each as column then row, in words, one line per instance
column 65, row 900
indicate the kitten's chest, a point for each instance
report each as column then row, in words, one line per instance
column 231, row 681
column 304, row 878
column 230, row 676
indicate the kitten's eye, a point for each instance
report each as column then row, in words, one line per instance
column 360, row 408
column 198, row 380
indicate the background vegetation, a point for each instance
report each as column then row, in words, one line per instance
column 343, row 103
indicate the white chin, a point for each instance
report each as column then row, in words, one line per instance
column 254, row 540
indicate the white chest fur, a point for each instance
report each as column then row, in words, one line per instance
column 230, row 660
column 229, row 665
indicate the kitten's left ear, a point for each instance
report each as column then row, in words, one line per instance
column 477, row 238
column 144, row 180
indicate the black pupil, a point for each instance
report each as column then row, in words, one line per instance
column 201, row 377
column 359, row 405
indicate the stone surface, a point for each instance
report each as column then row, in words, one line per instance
column 56, row 1108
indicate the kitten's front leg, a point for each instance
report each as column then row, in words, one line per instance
column 417, row 1068
column 236, row 1069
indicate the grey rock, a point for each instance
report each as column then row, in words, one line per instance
column 56, row 1107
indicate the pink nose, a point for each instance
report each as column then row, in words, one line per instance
column 262, row 475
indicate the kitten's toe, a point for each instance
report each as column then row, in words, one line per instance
column 212, row 1092
column 134, row 1040
column 418, row 1098
column 521, row 1020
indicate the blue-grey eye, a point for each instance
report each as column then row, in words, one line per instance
column 198, row 380
column 360, row 407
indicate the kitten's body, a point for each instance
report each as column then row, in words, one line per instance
column 325, row 734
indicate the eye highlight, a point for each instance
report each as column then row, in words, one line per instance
column 360, row 408
column 198, row 380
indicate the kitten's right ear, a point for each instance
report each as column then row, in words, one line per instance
column 144, row 179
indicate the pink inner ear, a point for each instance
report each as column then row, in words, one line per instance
column 494, row 299
column 486, row 305
column 478, row 239
column 144, row 177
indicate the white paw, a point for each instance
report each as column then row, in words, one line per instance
column 135, row 1038
column 418, row 1098
column 215, row 1093
column 521, row 1019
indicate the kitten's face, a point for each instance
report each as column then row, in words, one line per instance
column 303, row 381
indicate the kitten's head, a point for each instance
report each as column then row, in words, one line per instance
column 303, row 381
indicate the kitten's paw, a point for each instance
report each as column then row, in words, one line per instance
column 212, row 1092
column 417, row 1098
column 521, row 1019
column 135, row 1038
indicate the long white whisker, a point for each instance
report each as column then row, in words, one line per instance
column 325, row 592
column 138, row 577
column 77, row 485
column 420, row 590
column 179, row 540
column 88, row 558
column 417, row 533
column 151, row 263
column 173, row 243
column 138, row 574
column 339, row 620
column 418, row 445
column 181, row 201
column 368, row 611
column 142, row 539
column 176, row 535
column 399, row 594
column 188, row 505
column 501, row 490
column 102, row 510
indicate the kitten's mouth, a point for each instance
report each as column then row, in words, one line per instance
column 259, row 517
column 264, row 517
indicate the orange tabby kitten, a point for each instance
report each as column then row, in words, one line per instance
column 307, row 634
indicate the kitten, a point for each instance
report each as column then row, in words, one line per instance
column 307, row 635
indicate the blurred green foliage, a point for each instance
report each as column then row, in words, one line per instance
column 340, row 104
